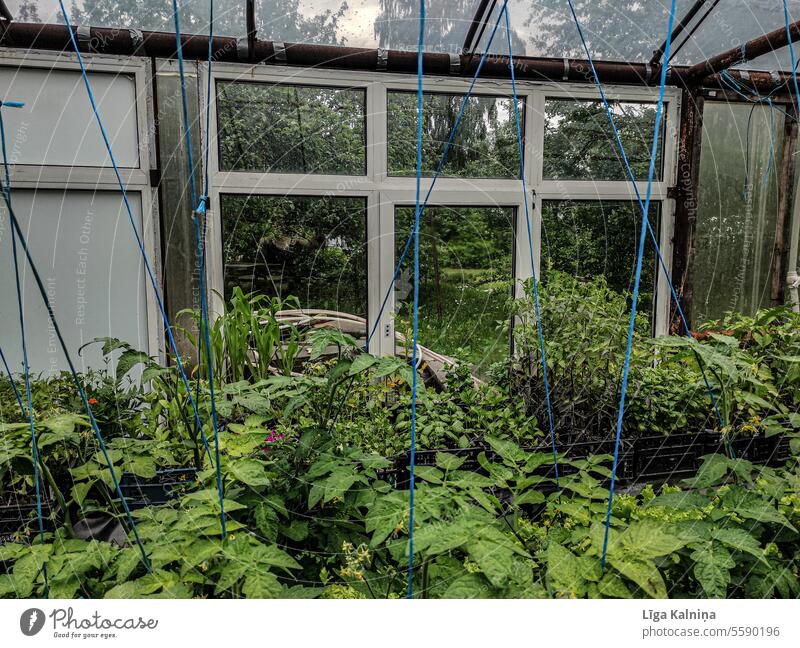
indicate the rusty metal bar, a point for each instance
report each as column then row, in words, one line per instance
column 786, row 185
column 747, row 52
column 686, row 202
column 477, row 19
column 679, row 28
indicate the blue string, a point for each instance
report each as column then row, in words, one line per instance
column 653, row 237
column 640, row 254
column 200, row 212
column 530, row 249
column 410, row 592
column 436, row 175
column 57, row 329
column 25, row 365
column 135, row 230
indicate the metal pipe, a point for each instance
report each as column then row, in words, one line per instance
column 686, row 203
column 751, row 49
column 677, row 48
column 693, row 11
column 122, row 42
column 477, row 19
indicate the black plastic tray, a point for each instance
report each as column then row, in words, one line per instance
column 164, row 487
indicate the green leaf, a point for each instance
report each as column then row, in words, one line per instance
column 496, row 561
column 649, row 539
column 740, row 540
column 449, row 461
column 643, row 573
column 749, row 505
column 362, row 363
column 80, row 490
column 271, row 555
column 129, row 359
column 564, row 571
column 248, row 471
column 712, row 569
column 713, row 469
column 266, row 519
column 260, row 585
column 683, row 501
column 469, row 586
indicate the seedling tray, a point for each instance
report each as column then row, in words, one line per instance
column 165, row 486
column 19, row 521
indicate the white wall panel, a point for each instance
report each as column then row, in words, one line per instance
column 57, row 127
column 84, row 249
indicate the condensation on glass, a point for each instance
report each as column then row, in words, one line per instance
column 484, row 146
column 579, row 143
column 309, row 247
column 737, row 209
column 588, row 239
column 466, row 277
column 291, row 128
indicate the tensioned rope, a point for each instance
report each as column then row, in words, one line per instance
column 199, row 211
column 653, row 237
column 530, row 248
column 11, row 381
column 57, row 330
column 25, row 366
column 414, row 372
column 138, row 238
column 640, row 252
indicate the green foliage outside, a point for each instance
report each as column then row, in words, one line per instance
column 312, row 512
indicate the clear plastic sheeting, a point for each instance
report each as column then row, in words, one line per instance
column 737, row 209
column 620, row 30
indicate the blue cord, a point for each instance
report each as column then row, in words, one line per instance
column 642, row 238
column 200, row 212
column 436, row 175
column 25, row 366
column 653, row 236
column 410, row 592
column 149, row 270
column 530, row 248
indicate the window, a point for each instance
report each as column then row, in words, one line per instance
column 579, row 143
column 313, row 248
column 484, row 146
column 291, row 129
column 737, row 209
column 466, row 273
column 591, row 238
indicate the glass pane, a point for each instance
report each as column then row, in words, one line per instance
column 466, row 273
column 313, row 248
column 733, row 22
column 623, row 30
column 579, row 143
column 155, row 16
column 178, row 238
column 291, row 129
column 484, row 146
column 591, row 238
column 737, row 209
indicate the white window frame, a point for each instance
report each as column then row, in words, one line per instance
column 384, row 192
column 103, row 179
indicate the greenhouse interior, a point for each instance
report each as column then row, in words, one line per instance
column 386, row 299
